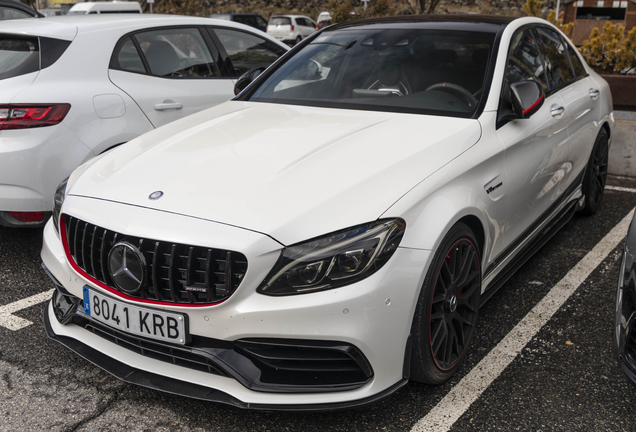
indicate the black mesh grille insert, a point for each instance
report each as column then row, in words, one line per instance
column 167, row 353
column 306, row 363
column 175, row 273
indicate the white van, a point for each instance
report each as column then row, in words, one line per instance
column 105, row 8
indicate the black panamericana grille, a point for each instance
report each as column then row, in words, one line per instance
column 175, row 273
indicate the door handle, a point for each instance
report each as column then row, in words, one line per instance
column 168, row 105
column 594, row 94
column 557, row 111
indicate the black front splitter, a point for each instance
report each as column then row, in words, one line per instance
column 153, row 381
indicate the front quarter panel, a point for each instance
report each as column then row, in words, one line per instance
column 472, row 185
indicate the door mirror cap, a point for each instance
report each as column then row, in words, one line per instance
column 246, row 79
column 527, row 97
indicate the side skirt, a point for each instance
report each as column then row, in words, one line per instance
column 535, row 240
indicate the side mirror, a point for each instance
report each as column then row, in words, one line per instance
column 526, row 97
column 246, row 79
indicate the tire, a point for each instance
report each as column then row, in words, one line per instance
column 596, row 175
column 298, row 39
column 447, row 309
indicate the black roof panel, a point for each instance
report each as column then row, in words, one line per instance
column 451, row 22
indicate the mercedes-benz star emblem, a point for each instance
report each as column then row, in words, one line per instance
column 127, row 267
column 155, row 195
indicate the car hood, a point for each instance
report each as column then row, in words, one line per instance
column 289, row 172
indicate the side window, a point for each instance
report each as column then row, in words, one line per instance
column 247, row 51
column 177, row 53
column 250, row 21
column 127, row 58
column 7, row 13
column 524, row 60
column 260, row 22
column 557, row 64
column 579, row 69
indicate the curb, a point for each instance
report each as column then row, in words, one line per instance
column 622, row 155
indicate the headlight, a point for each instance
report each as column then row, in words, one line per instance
column 58, row 200
column 334, row 260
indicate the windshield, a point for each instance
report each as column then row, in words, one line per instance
column 279, row 21
column 400, row 70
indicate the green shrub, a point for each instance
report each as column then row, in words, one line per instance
column 610, row 50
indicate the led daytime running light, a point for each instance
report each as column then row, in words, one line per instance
column 334, row 260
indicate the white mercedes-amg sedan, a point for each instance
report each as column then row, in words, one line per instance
column 332, row 231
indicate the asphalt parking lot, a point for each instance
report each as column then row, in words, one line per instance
column 542, row 357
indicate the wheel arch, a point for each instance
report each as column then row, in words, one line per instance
column 477, row 228
column 607, row 128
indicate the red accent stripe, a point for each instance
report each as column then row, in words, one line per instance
column 534, row 105
column 94, row 281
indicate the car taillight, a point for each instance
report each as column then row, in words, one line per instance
column 291, row 27
column 267, row 29
column 22, row 116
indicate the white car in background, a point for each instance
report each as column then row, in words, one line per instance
column 324, row 19
column 290, row 29
column 74, row 87
column 111, row 7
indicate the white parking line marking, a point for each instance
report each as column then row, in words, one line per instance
column 458, row 400
column 620, row 189
column 13, row 322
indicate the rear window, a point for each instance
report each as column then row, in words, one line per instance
column 280, row 21
column 18, row 56
column 24, row 55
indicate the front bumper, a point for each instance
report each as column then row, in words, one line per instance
column 371, row 318
column 167, row 384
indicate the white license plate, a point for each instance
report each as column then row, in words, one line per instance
column 151, row 323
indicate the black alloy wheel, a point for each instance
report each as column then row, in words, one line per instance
column 447, row 309
column 596, row 174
